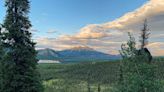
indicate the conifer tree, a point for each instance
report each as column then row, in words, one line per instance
column 18, row 69
column 144, row 35
column 1, row 56
column 144, row 41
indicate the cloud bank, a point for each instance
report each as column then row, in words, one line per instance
column 107, row 37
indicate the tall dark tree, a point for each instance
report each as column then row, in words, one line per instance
column 1, row 56
column 145, row 32
column 18, row 69
column 144, row 35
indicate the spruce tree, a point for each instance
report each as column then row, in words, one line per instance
column 18, row 65
column 144, row 35
column 1, row 56
column 144, row 41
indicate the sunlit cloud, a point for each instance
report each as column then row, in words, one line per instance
column 157, row 48
column 108, row 37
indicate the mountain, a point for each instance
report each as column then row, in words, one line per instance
column 85, row 54
column 47, row 54
column 76, row 54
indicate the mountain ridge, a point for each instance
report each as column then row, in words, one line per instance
column 76, row 54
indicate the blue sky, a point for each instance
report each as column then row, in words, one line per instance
column 68, row 16
column 99, row 24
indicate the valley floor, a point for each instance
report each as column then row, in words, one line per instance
column 83, row 76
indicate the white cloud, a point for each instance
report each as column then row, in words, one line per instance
column 149, row 10
column 107, row 37
column 93, row 31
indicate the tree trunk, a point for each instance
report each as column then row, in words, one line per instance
column 88, row 87
column 99, row 88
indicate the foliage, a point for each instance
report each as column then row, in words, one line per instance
column 18, row 65
column 70, row 75
column 73, row 77
column 79, row 71
column 128, row 50
column 137, row 75
column 62, row 85
column 1, row 56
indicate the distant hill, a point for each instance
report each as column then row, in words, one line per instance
column 47, row 54
column 85, row 54
column 76, row 54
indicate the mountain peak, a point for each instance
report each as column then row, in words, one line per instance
column 47, row 53
column 81, row 48
column 76, row 54
column 48, row 49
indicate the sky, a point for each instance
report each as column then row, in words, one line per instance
column 99, row 24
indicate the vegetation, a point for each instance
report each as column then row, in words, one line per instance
column 72, row 77
column 18, row 64
column 137, row 74
column 137, row 71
